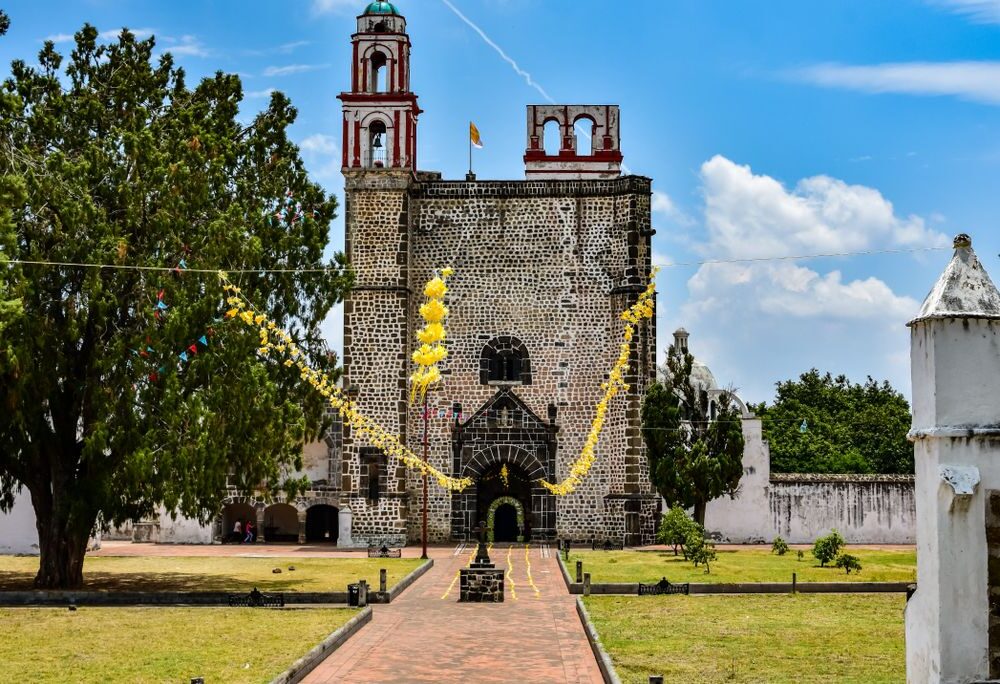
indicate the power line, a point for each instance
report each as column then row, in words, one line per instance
column 327, row 269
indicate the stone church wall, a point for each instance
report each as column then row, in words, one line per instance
column 539, row 261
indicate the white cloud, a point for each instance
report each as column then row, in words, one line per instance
column 59, row 38
column 189, row 46
column 338, row 6
column 977, row 81
column 292, row 69
column 140, row 34
column 664, row 205
column 760, row 322
column 319, row 143
column 258, row 94
column 755, row 216
column 981, row 11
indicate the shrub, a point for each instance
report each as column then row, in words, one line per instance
column 848, row 563
column 675, row 526
column 828, row 548
column 801, row 554
column 779, row 546
column 699, row 550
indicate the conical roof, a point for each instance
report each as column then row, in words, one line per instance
column 964, row 290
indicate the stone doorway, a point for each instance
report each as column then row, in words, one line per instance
column 322, row 524
column 505, row 521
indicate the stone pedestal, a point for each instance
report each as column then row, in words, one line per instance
column 481, row 585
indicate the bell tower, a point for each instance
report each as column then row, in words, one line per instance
column 379, row 161
column 380, row 112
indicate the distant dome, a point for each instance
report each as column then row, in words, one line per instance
column 702, row 376
column 382, row 7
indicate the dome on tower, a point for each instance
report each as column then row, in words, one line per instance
column 382, row 7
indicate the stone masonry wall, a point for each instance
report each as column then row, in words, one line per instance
column 552, row 264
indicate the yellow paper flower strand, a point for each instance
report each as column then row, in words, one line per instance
column 638, row 312
column 273, row 339
column 432, row 336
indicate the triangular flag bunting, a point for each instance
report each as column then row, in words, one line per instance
column 184, row 357
column 203, row 340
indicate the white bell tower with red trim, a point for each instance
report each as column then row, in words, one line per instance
column 380, row 112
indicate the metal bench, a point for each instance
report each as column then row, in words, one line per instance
column 663, row 587
column 256, row 599
column 384, row 552
column 606, row 546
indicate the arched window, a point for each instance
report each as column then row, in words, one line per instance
column 584, row 128
column 504, row 361
column 379, row 72
column 377, row 141
column 552, row 138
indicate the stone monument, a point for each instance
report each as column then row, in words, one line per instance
column 953, row 619
column 482, row 581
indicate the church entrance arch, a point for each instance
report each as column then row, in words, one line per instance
column 505, row 520
column 506, row 450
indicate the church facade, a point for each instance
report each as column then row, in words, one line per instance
column 543, row 268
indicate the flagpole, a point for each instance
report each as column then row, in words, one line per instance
column 470, row 148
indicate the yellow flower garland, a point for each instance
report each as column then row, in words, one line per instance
column 641, row 310
column 432, row 350
column 366, row 428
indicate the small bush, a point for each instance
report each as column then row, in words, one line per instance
column 848, row 563
column 801, row 554
column 699, row 550
column 779, row 546
column 827, row 548
column 675, row 526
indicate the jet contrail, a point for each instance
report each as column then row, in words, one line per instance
column 520, row 72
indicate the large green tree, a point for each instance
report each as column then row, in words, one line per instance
column 115, row 160
column 694, row 457
column 825, row 424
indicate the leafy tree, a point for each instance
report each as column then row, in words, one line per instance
column 675, row 526
column 849, row 562
column 826, row 549
column 826, row 424
column 699, row 550
column 779, row 546
column 693, row 458
column 4, row 23
column 115, row 160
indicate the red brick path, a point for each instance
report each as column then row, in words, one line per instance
column 425, row 635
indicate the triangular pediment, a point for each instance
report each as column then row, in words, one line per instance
column 505, row 411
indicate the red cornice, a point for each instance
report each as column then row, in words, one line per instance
column 599, row 156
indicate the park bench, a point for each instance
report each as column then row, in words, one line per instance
column 384, row 552
column 608, row 545
column 256, row 599
column 663, row 587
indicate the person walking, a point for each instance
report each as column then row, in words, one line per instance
column 249, row 533
column 237, row 533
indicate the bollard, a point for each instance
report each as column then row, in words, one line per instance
column 566, row 550
column 362, row 593
column 586, row 584
column 382, row 580
column 579, row 571
column 795, row 579
column 655, row 679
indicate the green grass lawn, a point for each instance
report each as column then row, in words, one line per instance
column 107, row 573
column 754, row 638
column 744, row 565
column 158, row 644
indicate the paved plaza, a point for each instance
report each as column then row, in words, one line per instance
column 427, row 636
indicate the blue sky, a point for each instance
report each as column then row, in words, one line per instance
column 770, row 129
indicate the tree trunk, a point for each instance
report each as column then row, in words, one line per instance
column 62, row 544
column 699, row 511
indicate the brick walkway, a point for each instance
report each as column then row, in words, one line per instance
column 427, row 636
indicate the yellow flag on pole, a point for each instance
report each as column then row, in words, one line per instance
column 474, row 135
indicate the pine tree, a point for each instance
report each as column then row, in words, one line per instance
column 115, row 160
column 693, row 458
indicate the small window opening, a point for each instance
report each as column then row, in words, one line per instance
column 379, row 72
column 552, row 138
column 584, row 129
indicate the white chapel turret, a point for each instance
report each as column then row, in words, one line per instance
column 953, row 619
